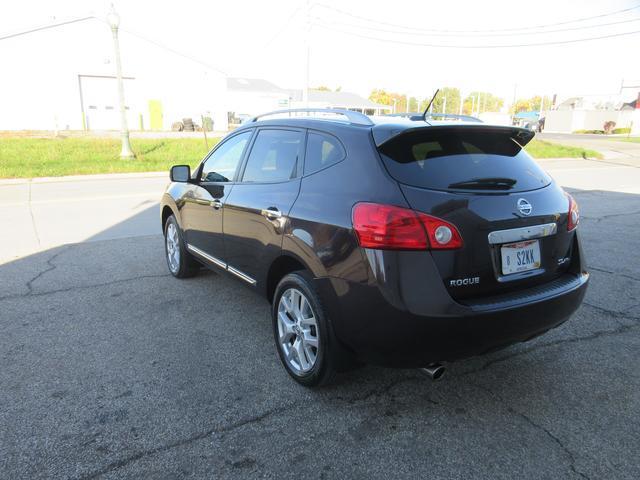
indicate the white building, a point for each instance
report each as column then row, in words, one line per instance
column 346, row 100
column 592, row 112
column 252, row 96
column 63, row 78
column 247, row 97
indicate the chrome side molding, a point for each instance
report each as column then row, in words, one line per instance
column 206, row 256
column 221, row 264
column 241, row 275
column 523, row 233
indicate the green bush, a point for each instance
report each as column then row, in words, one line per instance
column 599, row 132
column 621, row 130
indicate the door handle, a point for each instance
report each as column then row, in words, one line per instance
column 217, row 204
column 271, row 213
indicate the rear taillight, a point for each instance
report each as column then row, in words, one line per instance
column 388, row 227
column 573, row 217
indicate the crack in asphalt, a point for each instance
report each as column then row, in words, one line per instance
column 123, row 462
column 622, row 328
column 604, row 270
column 611, row 215
column 537, row 426
column 33, row 218
column 50, row 267
column 80, row 287
column 376, row 392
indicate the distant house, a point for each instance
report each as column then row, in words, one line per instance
column 251, row 96
column 346, row 100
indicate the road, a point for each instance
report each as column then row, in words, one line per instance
column 113, row 369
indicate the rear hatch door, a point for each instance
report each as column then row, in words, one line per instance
column 511, row 215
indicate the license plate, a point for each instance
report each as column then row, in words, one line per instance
column 520, row 257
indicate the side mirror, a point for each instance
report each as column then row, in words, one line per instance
column 180, row 173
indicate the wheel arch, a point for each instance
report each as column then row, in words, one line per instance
column 281, row 266
column 168, row 208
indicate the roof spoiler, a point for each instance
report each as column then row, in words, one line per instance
column 383, row 134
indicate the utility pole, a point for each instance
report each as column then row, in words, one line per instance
column 127, row 152
column 305, row 91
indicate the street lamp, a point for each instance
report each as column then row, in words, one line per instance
column 114, row 22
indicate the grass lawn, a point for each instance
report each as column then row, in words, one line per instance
column 543, row 149
column 627, row 139
column 51, row 157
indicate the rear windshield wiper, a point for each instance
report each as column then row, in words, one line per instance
column 488, row 183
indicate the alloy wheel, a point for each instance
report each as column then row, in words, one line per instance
column 173, row 248
column 297, row 331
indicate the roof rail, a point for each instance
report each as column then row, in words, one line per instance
column 356, row 118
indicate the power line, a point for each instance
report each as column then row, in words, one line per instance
column 475, row 35
column 432, row 45
column 175, row 52
column 46, row 27
column 141, row 37
column 380, row 22
column 283, row 28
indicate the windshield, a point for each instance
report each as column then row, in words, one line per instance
column 458, row 160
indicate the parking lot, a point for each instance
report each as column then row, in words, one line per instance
column 111, row 368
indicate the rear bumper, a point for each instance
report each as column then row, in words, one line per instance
column 380, row 330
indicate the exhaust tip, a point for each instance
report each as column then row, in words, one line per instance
column 435, row 371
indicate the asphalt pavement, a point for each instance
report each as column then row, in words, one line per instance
column 111, row 368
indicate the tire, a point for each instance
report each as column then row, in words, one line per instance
column 180, row 262
column 304, row 334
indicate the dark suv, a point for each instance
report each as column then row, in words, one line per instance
column 393, row 241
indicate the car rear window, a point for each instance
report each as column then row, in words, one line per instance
column 458, row 160
column 322, row 151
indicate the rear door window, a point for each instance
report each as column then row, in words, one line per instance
column 459, row 160
column 274, row 156
column 322, row 151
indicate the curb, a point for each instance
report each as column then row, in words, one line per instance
column 84, row 178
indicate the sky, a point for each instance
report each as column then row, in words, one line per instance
column 358, row 45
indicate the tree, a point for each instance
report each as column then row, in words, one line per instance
column 390, row 98
column 531, row 104
column 413, row 104
column 452, row 104
column 478, row 102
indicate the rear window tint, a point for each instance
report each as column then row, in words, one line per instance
column 322, row 151
column 457, row 160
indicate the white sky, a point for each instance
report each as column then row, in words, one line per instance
column 265, row 39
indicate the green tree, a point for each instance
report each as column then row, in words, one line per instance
column 481, row 102
column 413, row 104
column 451, row 104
